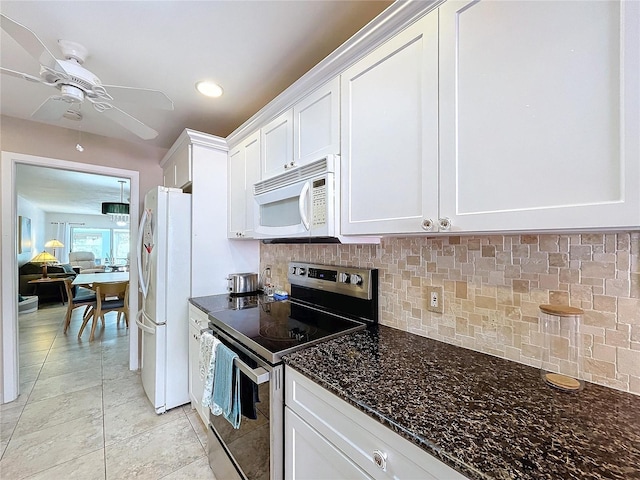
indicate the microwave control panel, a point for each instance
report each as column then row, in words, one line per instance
column 319, row 202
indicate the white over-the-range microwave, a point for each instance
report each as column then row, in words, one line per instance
column 300, row 203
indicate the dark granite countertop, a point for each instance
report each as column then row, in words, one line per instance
column 211, row 303
column 487, row 417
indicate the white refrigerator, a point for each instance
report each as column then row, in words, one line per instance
column 164, row 269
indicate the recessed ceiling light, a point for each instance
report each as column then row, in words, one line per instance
column 209, row 89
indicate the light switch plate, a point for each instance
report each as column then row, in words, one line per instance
column 435, row 299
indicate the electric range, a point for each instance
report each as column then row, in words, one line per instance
column 325, row 302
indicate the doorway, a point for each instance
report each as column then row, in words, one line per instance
column 9, row 264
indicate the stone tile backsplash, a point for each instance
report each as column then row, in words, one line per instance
column 493, row 286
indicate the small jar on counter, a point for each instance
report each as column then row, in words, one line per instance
column 562, row 356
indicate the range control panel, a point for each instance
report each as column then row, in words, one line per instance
column 353, row 281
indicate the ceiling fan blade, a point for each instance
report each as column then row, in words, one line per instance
column 25, row 76
column 141, row 96
column 53, row 108
column 127, row 121
column 30, row 42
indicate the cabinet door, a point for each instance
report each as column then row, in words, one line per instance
column 169, row 174
column 277, row 145
column 196, row 385
column 184, row 167
column 252, row 175
column 237, row 192
column 244, row 171
column 308, row 455
column 316, row 124
column 539, row 115
column 177, row 170
column 389, row 141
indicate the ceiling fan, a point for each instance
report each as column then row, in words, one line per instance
column 77, row 84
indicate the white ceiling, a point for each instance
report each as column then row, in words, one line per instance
column 64, row 191
column 253, row 49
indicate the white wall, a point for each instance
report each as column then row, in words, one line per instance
column 32, row 138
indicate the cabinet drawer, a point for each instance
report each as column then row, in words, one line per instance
column 197, row 318
column 359, row 436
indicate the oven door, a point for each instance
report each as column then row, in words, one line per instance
column 255, row 451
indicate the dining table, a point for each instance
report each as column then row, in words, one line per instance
column 84, row 279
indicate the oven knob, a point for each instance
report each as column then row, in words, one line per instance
column 301, row 271
column 292, row 270
column 343, row 278
column 356, row 279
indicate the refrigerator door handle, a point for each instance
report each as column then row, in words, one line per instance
column 142, row 326
column 143, row 283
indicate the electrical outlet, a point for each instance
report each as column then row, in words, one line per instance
column 435, row 299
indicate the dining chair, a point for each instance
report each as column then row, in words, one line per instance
column 110, row 297
column 83, row 298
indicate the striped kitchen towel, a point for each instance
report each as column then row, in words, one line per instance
column 207, row 362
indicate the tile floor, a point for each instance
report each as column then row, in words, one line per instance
column 82, row 414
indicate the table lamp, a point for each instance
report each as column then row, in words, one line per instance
column 45, row 258
column 54, row 243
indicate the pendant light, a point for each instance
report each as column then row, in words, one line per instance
column 118, row 212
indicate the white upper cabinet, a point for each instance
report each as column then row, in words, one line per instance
column 244, row 171
column 316, row 121
column 539, row 115
column 177, row 167
column 303, row 134
column 389, row 142
column 277, row 145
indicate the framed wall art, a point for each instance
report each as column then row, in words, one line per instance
column 24, row 234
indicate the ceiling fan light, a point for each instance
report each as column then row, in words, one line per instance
column 209, row 89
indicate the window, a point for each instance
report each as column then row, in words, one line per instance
column 109, row 245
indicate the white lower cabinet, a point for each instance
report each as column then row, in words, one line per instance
column 198, row 321
column 325, row 437
column 309, row 455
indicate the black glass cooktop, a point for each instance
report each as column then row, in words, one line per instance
column 273, row 329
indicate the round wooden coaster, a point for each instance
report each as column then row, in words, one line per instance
column 562, row 381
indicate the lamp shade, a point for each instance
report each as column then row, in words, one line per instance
column 44, row 257
column 55, row 243
column 115, row 208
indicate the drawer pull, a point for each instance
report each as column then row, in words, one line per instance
column 380, row 459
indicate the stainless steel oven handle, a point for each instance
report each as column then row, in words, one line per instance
column 256, row 375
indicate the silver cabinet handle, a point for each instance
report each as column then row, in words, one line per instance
column 427, row 224
column 380, row 459
column 444, row 223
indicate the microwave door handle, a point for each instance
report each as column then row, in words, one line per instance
column 302, row 206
